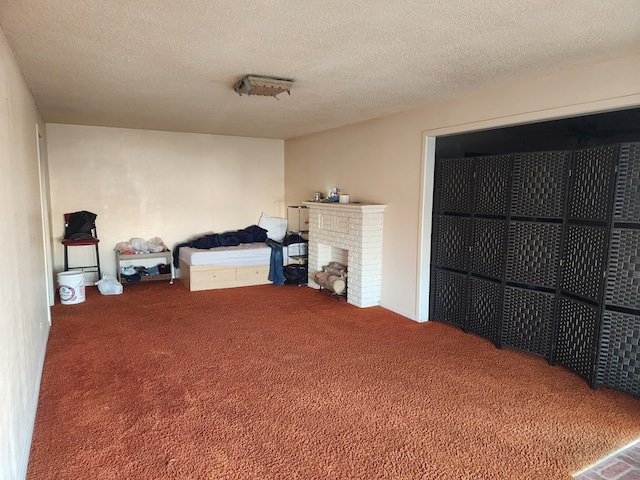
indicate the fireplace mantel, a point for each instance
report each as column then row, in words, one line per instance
column 355, row 228
column 347, row 207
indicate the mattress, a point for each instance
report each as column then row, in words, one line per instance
column 237, row 255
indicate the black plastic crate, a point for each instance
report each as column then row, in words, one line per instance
column 451, row 242
column 619, row 353
column 583, row 261
column 534, row 253
column 576, row 332
column 485, row 308
column 454, row 185
column 623, row 278
column 449, row 297
column 488, row 247
column 527, row 320
column 627, row 197
column 492, row 184
column 591, row 183
column 539, row 184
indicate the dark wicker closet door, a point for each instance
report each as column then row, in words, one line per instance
column 576, row 336
column 492, row 185
column 454, row 186
column 485, row 308
column 591, row 183
column 534, row 253
column 539, row 184
column 451, row 242
column 619, row 363
column 527, row 320
column 583, row 261
column 449, row 297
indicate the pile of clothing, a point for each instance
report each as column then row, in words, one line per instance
column 140, row 245
column 135, row 274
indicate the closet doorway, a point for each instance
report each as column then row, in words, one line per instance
column 506, row 208
column 562, row 134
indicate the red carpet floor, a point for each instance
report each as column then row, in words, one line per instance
column 287, row 383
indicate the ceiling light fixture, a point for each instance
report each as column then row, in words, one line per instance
column 263, row 85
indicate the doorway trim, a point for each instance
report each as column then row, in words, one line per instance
column 46, row 224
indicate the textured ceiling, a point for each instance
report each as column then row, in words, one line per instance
column 170, row 65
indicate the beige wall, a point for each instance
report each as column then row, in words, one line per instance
column 24, row 322
column 145, row 183
column 375, row 162
column 384, row 160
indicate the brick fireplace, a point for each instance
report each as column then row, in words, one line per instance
column 349, row 233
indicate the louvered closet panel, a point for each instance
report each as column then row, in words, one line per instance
column 623, row 279
column 539, row 184
column 491, row 202
column 453, row 201
column 583, row 261
column 534, row 253
column 591, row 183
column 450, row 297
column 492, row 193
column 528, row 320
column 488, row 247
column 627, row 200
column 451, row 242
column 532, row 260
column 538, row 201
column 454, row 186
column 576, row 336
column 619, row 360
column 584, row 255
column 540, row 251
column 486, row 298
column 618, row 363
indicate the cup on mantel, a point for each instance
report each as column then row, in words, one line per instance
column 344, row 198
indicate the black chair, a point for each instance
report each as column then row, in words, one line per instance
column 80, row 231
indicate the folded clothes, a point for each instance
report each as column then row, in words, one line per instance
column 130, row 270
column 133, row 278
column 140, row 270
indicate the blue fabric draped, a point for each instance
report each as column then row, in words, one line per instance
column 276, row 270
column 250, row 234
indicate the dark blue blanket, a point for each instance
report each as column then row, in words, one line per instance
column 250, row 234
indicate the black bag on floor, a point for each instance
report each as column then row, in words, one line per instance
column 295, row 275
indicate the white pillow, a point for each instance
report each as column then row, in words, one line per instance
column 276, row 227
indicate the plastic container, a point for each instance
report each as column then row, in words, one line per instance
column 71, row 287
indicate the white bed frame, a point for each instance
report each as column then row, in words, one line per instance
column 212, row 276
column 209, row 277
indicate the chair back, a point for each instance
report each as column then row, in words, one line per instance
column 80, row 225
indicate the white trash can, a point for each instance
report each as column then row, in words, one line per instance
column 71, row 287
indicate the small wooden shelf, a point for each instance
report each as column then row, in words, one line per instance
column 125, row 260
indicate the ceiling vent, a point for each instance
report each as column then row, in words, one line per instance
column 262, row 85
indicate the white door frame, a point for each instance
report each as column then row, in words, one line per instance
column 46, row 223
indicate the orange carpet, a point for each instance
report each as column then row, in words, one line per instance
column 287, row 383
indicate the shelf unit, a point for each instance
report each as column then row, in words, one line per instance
column 124, row 260
column 298, row 224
